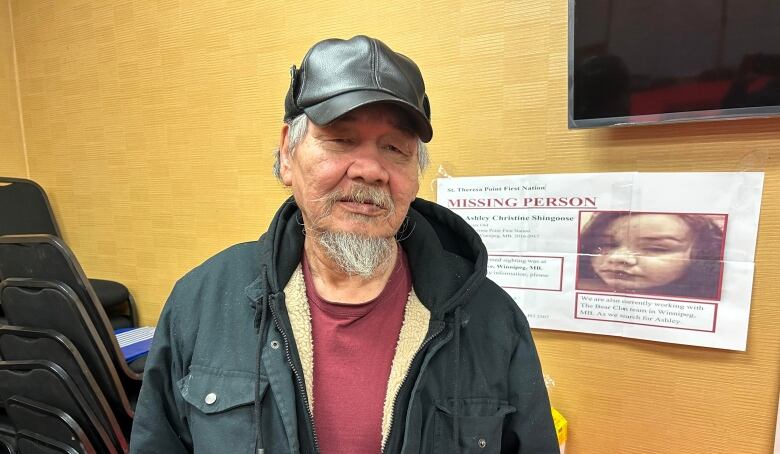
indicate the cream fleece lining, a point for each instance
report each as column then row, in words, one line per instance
column 300, row 320
column 411, row 337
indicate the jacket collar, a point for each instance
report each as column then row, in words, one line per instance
column 446, row 256
column 279, row 251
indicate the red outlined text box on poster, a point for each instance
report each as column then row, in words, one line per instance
column 526, row 272
column 656, row 312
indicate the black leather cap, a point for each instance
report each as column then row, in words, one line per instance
column 338, row 76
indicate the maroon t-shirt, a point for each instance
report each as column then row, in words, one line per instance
column 354, row 346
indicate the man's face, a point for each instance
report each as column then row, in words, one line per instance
column 337, row 169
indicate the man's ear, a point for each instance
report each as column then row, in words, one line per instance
column 285, row 170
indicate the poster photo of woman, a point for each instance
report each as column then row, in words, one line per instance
column 677, row 255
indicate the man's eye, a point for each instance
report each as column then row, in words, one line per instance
column 394, row 149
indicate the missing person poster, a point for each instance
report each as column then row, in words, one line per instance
column 659, row 256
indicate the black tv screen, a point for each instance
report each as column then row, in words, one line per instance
column 650, row 61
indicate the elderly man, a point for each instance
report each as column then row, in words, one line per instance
column 362, row 321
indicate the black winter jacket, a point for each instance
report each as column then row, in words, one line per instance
column 230, row 367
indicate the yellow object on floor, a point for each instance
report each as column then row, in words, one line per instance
column 561, row 426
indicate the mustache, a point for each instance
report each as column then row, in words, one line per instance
column 359, row 194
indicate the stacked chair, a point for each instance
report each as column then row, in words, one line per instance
column 25, row 209
column 65, row 386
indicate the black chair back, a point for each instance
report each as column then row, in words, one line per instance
column 47, row 258
column 29, row 205
column 46, row 382
column 33, row 443
column 26, row 210
column 97, row 380
column 35, row 417
column 54, row 306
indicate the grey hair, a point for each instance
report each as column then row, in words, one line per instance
column 356, row 254
column 296, row 131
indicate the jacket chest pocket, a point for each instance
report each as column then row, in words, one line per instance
column 220, row 408
column 475, row 427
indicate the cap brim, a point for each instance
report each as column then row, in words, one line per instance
column 332, row 108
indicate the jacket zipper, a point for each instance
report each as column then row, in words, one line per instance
column 403, row 382
column 298, row 379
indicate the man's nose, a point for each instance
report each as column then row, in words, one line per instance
column 367, row 165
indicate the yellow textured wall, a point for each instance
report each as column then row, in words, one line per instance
column 12, row 161
column 151, row 125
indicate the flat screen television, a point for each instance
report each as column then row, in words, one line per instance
column 652, row 61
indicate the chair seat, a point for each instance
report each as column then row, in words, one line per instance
column 119, row 321
column 138, row 365
column 110, row 293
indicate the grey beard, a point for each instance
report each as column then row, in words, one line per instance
column 355, row 254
